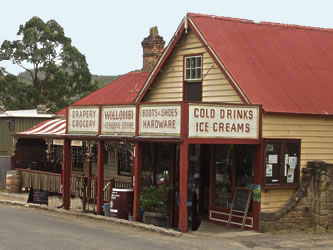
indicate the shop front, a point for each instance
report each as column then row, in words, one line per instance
column 201, row 151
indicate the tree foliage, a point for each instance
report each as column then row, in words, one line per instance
column 59, row 72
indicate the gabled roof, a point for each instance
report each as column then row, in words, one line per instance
column 286, row 68
column 124, row 90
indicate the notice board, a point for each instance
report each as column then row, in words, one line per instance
column 38, row 196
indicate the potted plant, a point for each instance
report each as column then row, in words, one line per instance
column 153, row 200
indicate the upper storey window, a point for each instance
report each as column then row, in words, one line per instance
column 193, row 78
column 193, row 68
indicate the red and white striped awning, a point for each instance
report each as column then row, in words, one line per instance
column 49, row 127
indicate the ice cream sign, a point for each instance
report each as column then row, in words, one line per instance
column 223, row 121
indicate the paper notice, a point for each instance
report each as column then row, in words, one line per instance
column 272, row 159
column 292, row 161
column 269, row 170
column 290, row 176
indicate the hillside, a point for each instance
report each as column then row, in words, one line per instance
column 102, row 80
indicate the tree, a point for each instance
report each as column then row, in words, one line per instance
column 59, row 72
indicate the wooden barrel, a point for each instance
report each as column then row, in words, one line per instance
column 13, row 181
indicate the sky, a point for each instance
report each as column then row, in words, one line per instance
column 109, row 33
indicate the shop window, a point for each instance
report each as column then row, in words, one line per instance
column 282, row 162
column 193, row 78
column 156, row 162
column 224, row 175
column 78, row 157
column 125, row 163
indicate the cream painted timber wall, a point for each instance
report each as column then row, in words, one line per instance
column 168, row 85
column 316, row 134
column 110, row 169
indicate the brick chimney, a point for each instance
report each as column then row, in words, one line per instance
column 153, row 46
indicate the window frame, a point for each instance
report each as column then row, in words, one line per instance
column 186, row 81
column 282, row 183
column 194, row 68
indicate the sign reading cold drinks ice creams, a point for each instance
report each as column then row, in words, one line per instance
column 160, row 120
column 223, row 121
column 118, row 120
column 83, row 120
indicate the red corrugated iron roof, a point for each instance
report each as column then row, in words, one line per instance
column 62, row 112
column 49, row 127
column 286, row 68
column 124, row 90
column 121, row 91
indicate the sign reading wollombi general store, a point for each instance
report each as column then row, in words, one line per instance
column 83, row 120
column 160, row 120
column 118, row 120
column 223, row 121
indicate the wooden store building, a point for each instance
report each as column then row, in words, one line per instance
column 228, row 103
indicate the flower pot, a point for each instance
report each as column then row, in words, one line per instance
column 155, row 218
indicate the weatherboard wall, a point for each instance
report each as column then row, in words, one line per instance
column 316, row 135
column 168, row 85
column 21, row 124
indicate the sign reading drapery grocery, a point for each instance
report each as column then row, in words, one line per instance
column 223, row 121
column 118, row 120
column 83, row 120
column 160, row 120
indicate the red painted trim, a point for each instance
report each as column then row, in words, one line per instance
column 100, row 120
column 67, row 166
column 217, row 63
column 100, row 177
column 260, row 121
column 170, row 49
column 258, row 180
column 137, row 120
column 89, row 170
column 212, row 175
column 67, row 119
column 222, row 141
column 137, row 180
column 40, row 136
column 183, row 187
column 184, row 121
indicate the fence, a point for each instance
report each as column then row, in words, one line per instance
column 51, row 182
column 5, row 164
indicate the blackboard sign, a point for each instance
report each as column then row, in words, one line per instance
column 241, row 198
column 38, row 197
column 240, row 203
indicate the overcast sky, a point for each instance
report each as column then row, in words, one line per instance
column 109, row 33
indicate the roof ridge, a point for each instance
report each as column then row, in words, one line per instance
column 262, row 22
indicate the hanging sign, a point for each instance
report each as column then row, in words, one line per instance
column 160, row 120
column 118, row 120
column 83, row 120
column 58, row 142
column 223, row 121
column 76, row 143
